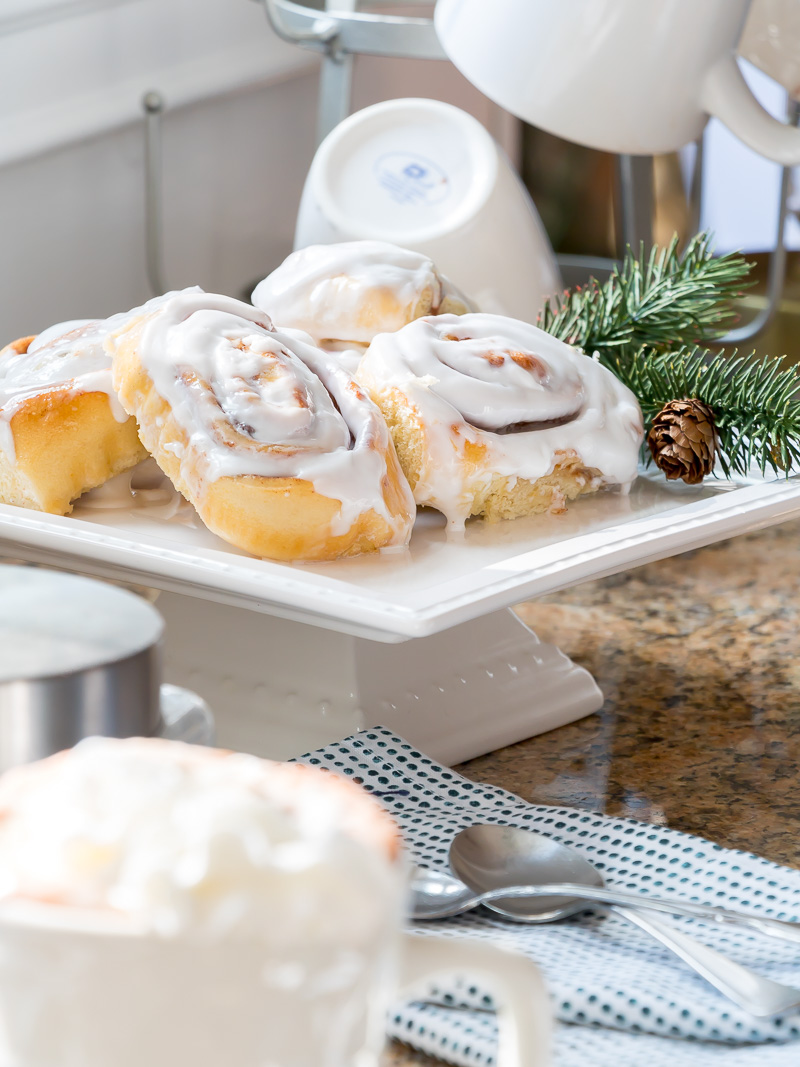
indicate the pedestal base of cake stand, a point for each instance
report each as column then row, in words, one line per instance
column 280, row 688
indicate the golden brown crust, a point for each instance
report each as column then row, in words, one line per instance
column 383, row 305
column 65, row 443
column 20, row 346
column 491, row 496
column 277, row 518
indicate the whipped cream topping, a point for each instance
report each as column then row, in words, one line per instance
column 70, row 354
column 182, row 839
column 257, row 401
column 353, row 290
column 512, row 388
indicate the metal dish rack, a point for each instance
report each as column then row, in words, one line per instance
column 340, row 30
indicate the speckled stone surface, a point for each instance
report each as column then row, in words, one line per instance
column 699, row 660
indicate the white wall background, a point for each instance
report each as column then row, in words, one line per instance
column 238, row 139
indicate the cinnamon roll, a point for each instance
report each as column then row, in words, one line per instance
column 278, row 449
column 491, row 416
column 344, row 294
column 62, row 428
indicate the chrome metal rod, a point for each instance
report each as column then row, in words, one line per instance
column 153, row 105
column 335, row 81
column 358, row 32
column 635, row 202
column 307, row 27
column 696, row 187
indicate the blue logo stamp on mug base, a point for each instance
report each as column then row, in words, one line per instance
column 409, row 178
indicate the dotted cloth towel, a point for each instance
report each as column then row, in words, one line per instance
column 622, row 998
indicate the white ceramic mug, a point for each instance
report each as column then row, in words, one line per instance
column 426, row 175
column 87, row 989
column 632, row 76
column 771, row 40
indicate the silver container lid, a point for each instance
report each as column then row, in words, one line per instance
column 77, row 658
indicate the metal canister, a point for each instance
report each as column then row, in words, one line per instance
column 78, row 657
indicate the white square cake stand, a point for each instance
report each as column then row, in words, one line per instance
column 420, row 640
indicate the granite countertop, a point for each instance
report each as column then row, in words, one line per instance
column 698, row 658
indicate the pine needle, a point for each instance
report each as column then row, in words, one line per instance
column 665, row 300
column 646, row 323
column 755, row 400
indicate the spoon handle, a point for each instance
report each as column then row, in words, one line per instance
column 780, row 928
column 758, row 995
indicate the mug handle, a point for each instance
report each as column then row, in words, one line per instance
column 516, row 984
column 185, row 716
column 725, row 94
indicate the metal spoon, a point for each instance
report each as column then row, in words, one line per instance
column 437, row 895
column 496, row 857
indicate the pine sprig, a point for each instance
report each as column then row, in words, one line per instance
column 755, row 400
column 665, row 300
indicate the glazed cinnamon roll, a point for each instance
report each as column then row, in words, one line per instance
column 491, row 416
column 344, row 294
column 277, row 448
column 62, row 428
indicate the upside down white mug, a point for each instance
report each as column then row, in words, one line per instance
column 426, row 175
column 633, row 76
column 168, row 906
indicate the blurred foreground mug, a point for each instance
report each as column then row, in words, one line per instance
column 629, row 76
column 163, row 905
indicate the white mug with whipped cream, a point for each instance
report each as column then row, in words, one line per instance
column 166, row 905
column 634, row 76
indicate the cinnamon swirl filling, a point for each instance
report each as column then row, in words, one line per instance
column 250, row 400
column 495, row 386
column 480, row 404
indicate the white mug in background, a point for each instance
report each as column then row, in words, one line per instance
column 771, row 40
column 631, row 76
column 427, row 176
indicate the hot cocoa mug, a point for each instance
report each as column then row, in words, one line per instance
column 167, row 905
column 630, row 76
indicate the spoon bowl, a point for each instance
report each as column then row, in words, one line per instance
column 492, row 858
column 437, row 895
column 495, row 857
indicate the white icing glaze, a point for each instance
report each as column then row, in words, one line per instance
column 184, row 839
column 347, row 354
column 67, row 354
column 258, row 401
column 486, row 377
column 52, row 333
column 350, row 291
column 143, row 486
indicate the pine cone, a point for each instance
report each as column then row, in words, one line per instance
column 683, row 440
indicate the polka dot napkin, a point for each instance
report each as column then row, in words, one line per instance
column 622, row 998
